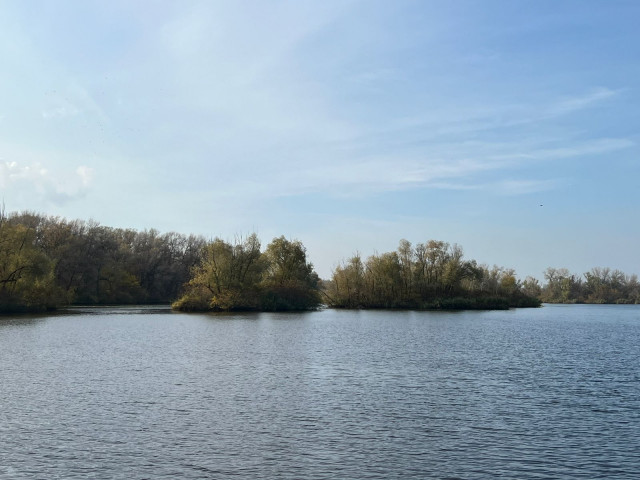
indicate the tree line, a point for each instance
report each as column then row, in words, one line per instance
column 599, row 285
column 434, row 274
column 47, row 262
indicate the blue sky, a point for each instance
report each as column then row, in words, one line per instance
column 345, row 124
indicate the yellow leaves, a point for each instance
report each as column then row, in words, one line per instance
column 26, row 273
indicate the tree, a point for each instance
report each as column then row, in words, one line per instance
column 383, row 279
column 562, row 286
column 289, row 280
column 406, row 259
column 509, row 283
column 27, row 280
column 347, row 285
column 433, row 275
column 228, row 277
column 531, row 287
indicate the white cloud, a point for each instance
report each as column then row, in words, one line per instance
column 12, row 172
column 86, row 175
column 38, row 181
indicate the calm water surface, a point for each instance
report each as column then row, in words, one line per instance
column 133, row 393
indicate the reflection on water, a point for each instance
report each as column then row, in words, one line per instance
column 141, row 392
column 117, row 310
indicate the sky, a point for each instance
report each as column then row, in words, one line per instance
column 508, row 127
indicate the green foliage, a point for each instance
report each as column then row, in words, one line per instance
column 227, row 276
column 531, row 287
column 238, row 277
column 194, row 300
column 49, row 261
column 383, row 280
column 600, row 285
column 289, row 282
column 92, row 264
column 433, row 275
column 27, row 282
column 346, row 288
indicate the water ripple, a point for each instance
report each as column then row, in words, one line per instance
column 137, row 393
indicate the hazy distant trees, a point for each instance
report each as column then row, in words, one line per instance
column 599, row 285
column 531, row 287
column 431, row 275
column 435, row 274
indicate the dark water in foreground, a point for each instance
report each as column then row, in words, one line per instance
column 144, row 393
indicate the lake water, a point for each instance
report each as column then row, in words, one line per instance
column 134, row 393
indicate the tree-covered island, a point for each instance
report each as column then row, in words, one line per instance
column 431, row 275
column 48, row 262
column 240, row 277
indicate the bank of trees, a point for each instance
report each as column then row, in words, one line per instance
column 48, row 261
column 27, row 279
column 238, row 276
column 599, row 285
column 430, row 275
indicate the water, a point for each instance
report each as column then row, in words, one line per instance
column 145, row 393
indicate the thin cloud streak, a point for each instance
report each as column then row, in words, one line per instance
column 371, row 175
column 455, row 120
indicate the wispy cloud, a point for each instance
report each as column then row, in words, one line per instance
column 507, row 187
column 58, row 188
column 230, row 91
column 71, row 100
column 457, row 169
column 581, row 102
column 245, row 72
column 573, row 149
column 453, row 119
column 61, row 111
column 523, row 187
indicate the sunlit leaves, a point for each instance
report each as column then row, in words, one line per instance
column 237, row 276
